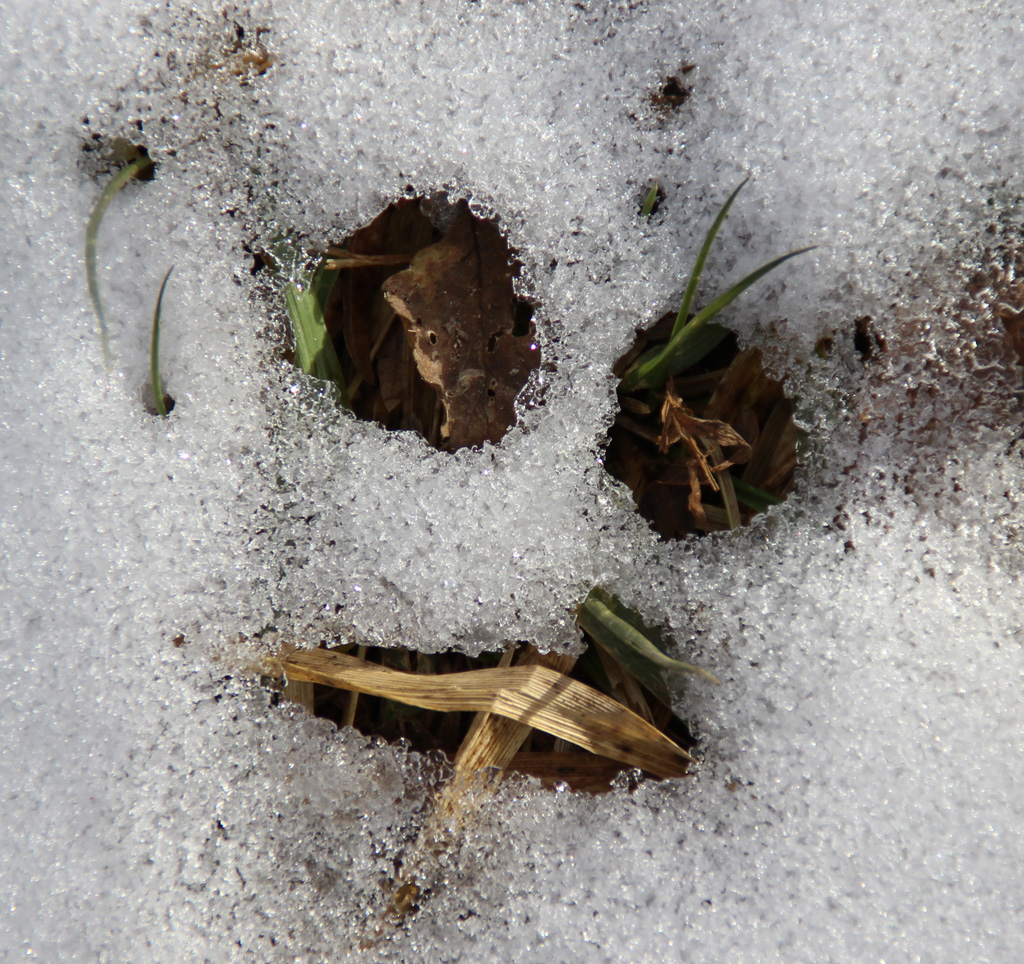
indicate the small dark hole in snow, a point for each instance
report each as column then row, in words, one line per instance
column 673, row 91
column 866, row 339
column 150, row 405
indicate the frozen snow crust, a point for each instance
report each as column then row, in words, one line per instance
column 860, row 797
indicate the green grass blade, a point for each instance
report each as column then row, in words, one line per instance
column 313, row 347
column 702, row 342
column 753, row 497
column 632, row 648
column 690, row 347
column 656, row 372
column 698, row 265
column 725, row 299
column 322, row 283
column 92, row 231
column 650, row 201
column 154, row 351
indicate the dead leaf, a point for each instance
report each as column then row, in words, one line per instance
column 371, row 255
column 458, row 307
column 773, row 462
column 744, row 386
column 679, row 425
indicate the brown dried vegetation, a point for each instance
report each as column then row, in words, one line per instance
column 537, row 714
column 670, row 447
column 427, row 327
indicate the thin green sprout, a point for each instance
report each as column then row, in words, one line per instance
column 698, row 265
column 656, row 371
column 650, row 201
column 154, row 351
column 92, row 231
column 687, row 344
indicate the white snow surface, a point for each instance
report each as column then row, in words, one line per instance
column 861, row 790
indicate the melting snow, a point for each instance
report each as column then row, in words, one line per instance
column 860, row 792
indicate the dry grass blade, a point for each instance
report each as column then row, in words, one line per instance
column 492, row 740
column 301, row 693
column 532, row 695
column 624, row 685
column 732, row 508
column 352, row 702
column 338, row 259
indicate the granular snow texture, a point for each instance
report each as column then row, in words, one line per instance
column 860, row 791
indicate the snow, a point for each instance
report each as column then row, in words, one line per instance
column 859, row 796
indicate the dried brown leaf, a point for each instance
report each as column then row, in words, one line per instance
column 458, row 307
column 396, row 233
column 744, row 386
column 679, row 425
column 773, row 462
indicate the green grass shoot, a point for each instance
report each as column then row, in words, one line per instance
column 652, row 198
column 702, row 257
column 92, row 231
column 696, row 347
column 754, row 498
column 621, row 632
column 687, row 343
column 314, row 349
column 154, row 352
